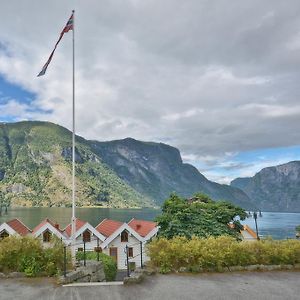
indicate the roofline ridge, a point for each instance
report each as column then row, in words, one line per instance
column 130, row 221
column 101, row 223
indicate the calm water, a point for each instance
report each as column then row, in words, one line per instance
column 277, row 225
column 34, row 215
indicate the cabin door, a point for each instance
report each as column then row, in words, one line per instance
column 113, row 252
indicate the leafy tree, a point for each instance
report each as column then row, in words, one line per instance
column 298, row 228
column 199, row 216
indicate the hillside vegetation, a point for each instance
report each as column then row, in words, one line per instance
column 35, row 170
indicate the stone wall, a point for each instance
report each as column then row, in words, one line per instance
column 92, row 272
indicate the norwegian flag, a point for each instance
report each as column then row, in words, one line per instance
column 69, row 26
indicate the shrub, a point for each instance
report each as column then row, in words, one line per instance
column 26, row 254
column 216, row 254
column 109, row 265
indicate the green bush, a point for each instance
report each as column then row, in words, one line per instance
column 110, row 266
column 26, row 254
column 219, row 253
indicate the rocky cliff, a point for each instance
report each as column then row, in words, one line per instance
column 35, row 170
column 274, row 188
column 156, row 170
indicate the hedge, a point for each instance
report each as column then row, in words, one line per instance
column 26, row 254
column 216, row 254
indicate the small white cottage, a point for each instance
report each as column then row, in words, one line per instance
column 13, row 227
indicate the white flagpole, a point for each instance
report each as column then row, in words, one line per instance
column 73, row 222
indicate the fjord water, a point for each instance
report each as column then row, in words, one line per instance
column 274, row 224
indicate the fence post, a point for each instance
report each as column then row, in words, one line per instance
column 141, row 244
column 97, row 249
column 65, row 260
column 127, row 260
column 84, row 257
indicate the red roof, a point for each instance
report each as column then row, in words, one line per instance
column 142, row 227
column 107, row 227
column 18, row 226
column 78, row 224
column 250, row 231
column 45, row 222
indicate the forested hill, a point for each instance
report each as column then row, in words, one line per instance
column 35, row 170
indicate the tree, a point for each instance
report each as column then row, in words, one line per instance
column 199, row 216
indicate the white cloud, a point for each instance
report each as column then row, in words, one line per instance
column 207, row 78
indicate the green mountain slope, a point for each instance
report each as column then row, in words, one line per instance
column 35, row 170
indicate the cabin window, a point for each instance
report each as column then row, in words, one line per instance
column 3, row 235
column 130, row 252
column 47, row 236
column 86, row 236
column 124, row 236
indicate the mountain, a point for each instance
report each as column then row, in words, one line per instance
column 274, row 188
column 156, row 170
column 35, row 169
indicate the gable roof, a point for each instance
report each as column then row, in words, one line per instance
column 107, row 227
column 18, row 227
column 89, row 227
column 124, row 226
column 142, row 227
column 7, row 228
column 44, row 222
column 48, row 225
column 78, row 224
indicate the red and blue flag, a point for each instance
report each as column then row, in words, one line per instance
column 69, row 26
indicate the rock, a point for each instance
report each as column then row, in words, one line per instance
column 297, row 266
column 48, row 156
column 16, row 188
column 92, row 272
column 252, row 267
column 2, row 275
column 287, row 267
column 67, row 155
column 182, row 270
column 16, row 275
column 72, row 277
column 134, row 278
column 236, row 268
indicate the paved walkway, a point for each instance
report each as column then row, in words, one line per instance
column 244, row 286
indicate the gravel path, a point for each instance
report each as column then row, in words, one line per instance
column 245, row 285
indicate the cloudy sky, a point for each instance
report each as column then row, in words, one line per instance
column 219, row 79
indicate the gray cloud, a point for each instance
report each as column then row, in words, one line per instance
column 209, row 77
